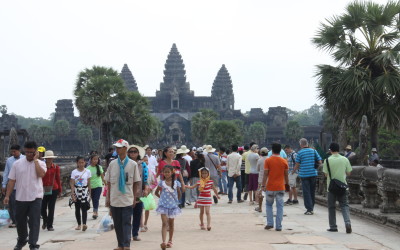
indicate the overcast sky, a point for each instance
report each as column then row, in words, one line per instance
column 265, row 45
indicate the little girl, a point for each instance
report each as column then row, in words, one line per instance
column 168, row 203
column 204, row 200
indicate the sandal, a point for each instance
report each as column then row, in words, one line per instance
column 163, row 246
column 202, row 227
column 78, row 227
column 84, row 228
column 169, row 244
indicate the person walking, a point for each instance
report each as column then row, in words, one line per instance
column 195, row 166
column 223, row 180
column 233, row 166
column 260, row 169
column 15, row 155
column 253, row 157
column 52, row 190
column 185, row 171
column 80, row 192
column 26, row 174
column 152, row 160
column 96, row 182
column 307, row 162
column 274, row 181
column 213, row 163
column 337, row 167
column 123, row 184
column 291, row 158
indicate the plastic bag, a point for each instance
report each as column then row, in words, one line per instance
column 4, row 218
column 106, row 224
column 148, row 202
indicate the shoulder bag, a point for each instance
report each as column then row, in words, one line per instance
column 335, row 186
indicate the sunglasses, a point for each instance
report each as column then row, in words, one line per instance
column 133, row 151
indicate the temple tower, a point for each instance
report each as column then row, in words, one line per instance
column 222, row 91
column 128, row 78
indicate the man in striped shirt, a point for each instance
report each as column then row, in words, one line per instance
column 305, row 163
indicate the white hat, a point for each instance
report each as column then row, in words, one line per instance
column 121, row 143
column 194, row 149
column 264, row 150
column 141, row 150
column 49, row 154
column 182, row 150
column 200, row 149
column 373, row 150
column 209, row 149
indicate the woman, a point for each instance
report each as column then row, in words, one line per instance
column 52, row 189
column 195, row 166
column 136, row 153
column 96, row 182
column 185, row 173
column 80, row 191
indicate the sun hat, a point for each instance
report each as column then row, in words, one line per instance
column 264, row 150
column 141, row 150
column 209, row 149
column 121, row 143
column 182, row 150
column 41, row 149
column 374, row 150
column 49, row 154
column 348, row 147
column 194, row 149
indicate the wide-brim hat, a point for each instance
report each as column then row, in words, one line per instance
column 348, row 147
column 141, row 150
column 49, row 155
column 182, row 150
column 209, row 149
column 121, row 143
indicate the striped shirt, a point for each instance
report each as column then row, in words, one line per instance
column 306, row 157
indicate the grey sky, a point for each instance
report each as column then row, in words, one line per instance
column 265, row 46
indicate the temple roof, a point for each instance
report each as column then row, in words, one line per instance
column 128, row 78
column 222, row 82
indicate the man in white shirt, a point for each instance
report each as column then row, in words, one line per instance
column 152, row 160
column 233, row 164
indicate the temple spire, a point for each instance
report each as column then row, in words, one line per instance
column 222, row 90
column 128, row 78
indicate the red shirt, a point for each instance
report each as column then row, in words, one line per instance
column 53, row 174
column 174, row 163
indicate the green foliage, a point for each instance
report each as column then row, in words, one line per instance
column 257, row 132
column 43, row 135
column 224, row 134
column 201, row 123
column 85, row 136
column 25, row 123
column 62, row 128
column 309, row 117
column 389, row 144
column 293, row 132
column 364, row 42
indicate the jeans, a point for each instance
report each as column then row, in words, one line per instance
column 136, row 216
column 270, row 196
column 231, row 181
column 49, row 203
column 122, row 217
column 11, row 208
column 31, row 210
column 183, row 198
column 78, row 207
column 223, row 187
column 308, row 185
column 95, row 194
column 344, row 205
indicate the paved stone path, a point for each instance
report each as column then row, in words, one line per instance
column 235, row 226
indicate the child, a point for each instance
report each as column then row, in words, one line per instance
column 204, row 200
column 168, row 203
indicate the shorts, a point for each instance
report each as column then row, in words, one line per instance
column 253, row 182
column 293, row 180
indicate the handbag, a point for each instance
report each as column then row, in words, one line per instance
column 335, row 186
column 48, row 190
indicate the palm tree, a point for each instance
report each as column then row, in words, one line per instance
column 364, row 42
column 201, row 123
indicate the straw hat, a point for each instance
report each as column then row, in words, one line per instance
column 209, row 149
column 141, row 150
column 182, row 150
column 348, row 147
column 49, row 154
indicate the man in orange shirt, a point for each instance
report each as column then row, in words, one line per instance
column 276, row 172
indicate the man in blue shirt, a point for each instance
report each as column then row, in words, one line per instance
column 305, row 163
column 15, row 155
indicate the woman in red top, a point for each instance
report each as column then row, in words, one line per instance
column 168, row 156
column 52, row 182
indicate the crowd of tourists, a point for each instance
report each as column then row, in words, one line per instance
column 179, row 177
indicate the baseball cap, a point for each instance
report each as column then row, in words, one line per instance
column 41, row 149
column 121, row 143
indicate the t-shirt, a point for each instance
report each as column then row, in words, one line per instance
column 95, row 180
column 195, row 165
column 81, row 177
column 246, row 162
column 175, row 164
column 282, row 153
column 253, row 158
column 276, row 176
column 260, row 168
column 211, row 165
column 292, row 161
column 307, row 157
column 339, row 166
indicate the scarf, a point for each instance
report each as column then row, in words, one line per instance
column 121, row 182
column 203, row 181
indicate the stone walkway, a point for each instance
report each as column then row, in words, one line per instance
column 235, row 226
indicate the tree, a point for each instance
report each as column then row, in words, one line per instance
column 85, row 136
column 43, row 135
column 389, row 142
column 224, row 134
column 293, row 132
column 62, row 129
column 364, row 42
column 257, row 132
column 201, row 123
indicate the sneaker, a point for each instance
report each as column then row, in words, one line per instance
column 229, row 202
column 136, row 238
column 268, row 227
column 295, row 202
column 289, row 202
column 331, row 230
column 278, row 229
column 348, row 229
column 240, row 201
column 34, row 247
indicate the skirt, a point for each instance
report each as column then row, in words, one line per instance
column 171, row 213
column 253, row 182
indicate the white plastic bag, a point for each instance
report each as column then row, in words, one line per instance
column 106, row 224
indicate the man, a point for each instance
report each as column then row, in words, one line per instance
column 26, row 175
column 339, row 167
column 305, row 163
column 246, row 152
column 291, row 158
column 233, row 164
column 222, row 182
column 276, row 172
column 374, row 156
column 152, row 160
column 253, row 174
column 123, row 183
column 348, row 153
column 212, row 162
column 15, row 155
